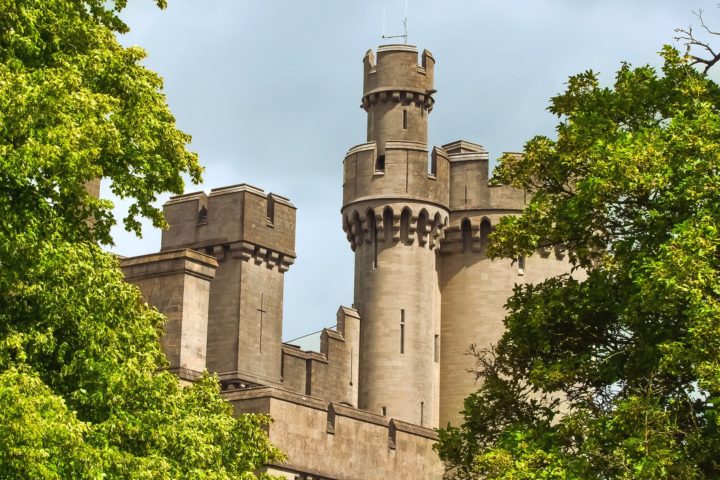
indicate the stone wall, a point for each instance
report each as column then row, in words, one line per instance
column 333, row 441
column 332, row 373
column 177, row 283
column 473, row 287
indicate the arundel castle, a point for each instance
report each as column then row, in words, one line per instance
column 394, row 368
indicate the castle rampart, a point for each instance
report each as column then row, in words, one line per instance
column 332, row 441
column 332, row 373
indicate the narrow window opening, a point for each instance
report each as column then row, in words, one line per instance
column 436, row 348
column 351, row 366
column 380, row 163
column 422, row 413
column 202, row 216
column 466, row 229
column 388, row 223
column 405, row 225
column 270, row 211
column 402, row 331
column 432, row 165
column 373, row 236
column 282, row 367
column 521, row 265
column 405, row 119
column 485, row 230
column 383, row 411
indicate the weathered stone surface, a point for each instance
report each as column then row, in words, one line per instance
column 177, row 282
column 340, row 442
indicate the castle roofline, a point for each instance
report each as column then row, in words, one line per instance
column 395, row 47
column 240, row 187
column 463, row 146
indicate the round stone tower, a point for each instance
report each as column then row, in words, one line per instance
column 395, row 208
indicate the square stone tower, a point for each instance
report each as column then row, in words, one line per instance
column 251, row 234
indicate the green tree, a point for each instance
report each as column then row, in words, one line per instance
column 615, row 375
column 81, row 395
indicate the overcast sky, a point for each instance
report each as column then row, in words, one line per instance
column 270, row 92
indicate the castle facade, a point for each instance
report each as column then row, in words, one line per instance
column 395, row 367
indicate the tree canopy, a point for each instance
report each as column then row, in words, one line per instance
column 82, row 392
column 615, row 375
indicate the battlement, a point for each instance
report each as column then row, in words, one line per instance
column 397, row 76
column 242, row 217
column 407, row 172
column 469, row 187
column 332, row 373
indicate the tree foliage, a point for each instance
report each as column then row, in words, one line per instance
column 81, row 395
column 616, row 374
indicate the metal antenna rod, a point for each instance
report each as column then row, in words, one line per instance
column 404, row 36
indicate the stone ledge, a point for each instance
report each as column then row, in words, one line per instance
column 412, row 429
column 334, row 334
column 361, row 148
column 185, row 373
column 240, row 187
column 460, row 147
column 395, row 145
column 291, row 350
column 186, row 197
column 341, row 410
column 276, row 393
column 350, row 312
column 170, row 262
column 397, row 47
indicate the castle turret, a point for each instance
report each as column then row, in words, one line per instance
column 395, row 207
column 475, row 288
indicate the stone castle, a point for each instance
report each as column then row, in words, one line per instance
column 395, row 367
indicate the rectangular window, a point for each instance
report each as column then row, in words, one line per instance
column 402, row 331
column 380, row 163
column 422, row 413
column 521, row 265
column 404, row 119
column 383, row 411
column 437, row 348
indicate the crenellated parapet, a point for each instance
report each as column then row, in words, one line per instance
column 240, row 221
column 407, row 171
column 397, row 76
column 332, row 373
column 406, row 222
